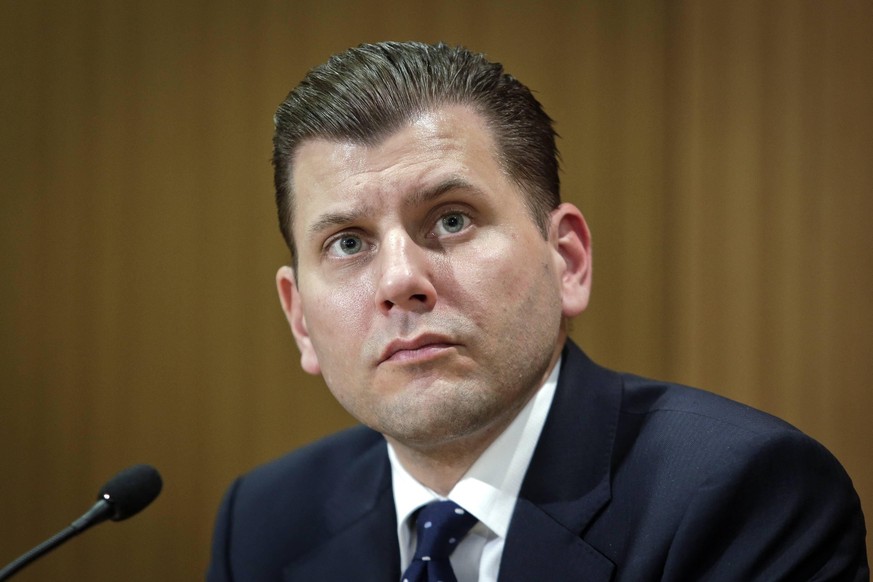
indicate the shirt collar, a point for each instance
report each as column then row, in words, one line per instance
column 490, row 487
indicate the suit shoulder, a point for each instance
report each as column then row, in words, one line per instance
column 686, row 438
column 277, row 511
column 317, row 462
column 700, row 481
column 670, row 428
column 696, row 407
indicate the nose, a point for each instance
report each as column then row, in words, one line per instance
column 404, row 276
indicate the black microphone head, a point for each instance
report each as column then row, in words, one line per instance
column 131, row 491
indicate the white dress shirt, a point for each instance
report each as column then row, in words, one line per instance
column 488, row 490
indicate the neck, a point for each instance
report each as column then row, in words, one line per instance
column 440, row 466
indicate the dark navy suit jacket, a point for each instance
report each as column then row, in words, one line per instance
column 632, row 480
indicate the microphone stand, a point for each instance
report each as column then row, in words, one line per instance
column 99, row 512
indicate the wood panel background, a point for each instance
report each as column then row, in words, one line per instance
column 722, row 152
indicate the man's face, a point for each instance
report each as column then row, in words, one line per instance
column 425, row 294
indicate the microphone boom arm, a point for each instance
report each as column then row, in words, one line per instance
column 123, row 496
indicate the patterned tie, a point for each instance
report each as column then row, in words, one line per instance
column 440, row 526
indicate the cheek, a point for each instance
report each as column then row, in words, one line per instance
column 336, row 320
column 500, row 274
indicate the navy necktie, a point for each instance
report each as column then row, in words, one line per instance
column 440, row 525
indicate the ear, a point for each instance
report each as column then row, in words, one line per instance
column 292, row 305
column 571, row 241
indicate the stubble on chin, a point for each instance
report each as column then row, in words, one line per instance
column 440, row 413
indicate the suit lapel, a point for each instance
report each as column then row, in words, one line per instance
column 362, row 525
column 568, row 480
column 567, row 484
column 540, row 548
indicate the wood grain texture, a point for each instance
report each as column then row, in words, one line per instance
column 720, row 151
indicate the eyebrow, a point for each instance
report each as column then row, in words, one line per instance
column 448, row 185
column 419, row 197
column 332, row 219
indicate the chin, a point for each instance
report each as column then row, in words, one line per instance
column 440, row 417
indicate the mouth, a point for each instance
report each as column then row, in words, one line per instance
column 416, row 350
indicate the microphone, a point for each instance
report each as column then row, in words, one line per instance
column 123, row 496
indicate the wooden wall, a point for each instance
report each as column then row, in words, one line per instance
column 722, row 152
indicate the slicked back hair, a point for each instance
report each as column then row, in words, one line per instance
column 368, row 92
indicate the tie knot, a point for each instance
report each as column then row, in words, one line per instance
column 440, row 526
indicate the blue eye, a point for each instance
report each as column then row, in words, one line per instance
column 346, row 245
column 452, row 223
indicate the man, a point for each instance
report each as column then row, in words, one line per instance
column 434, row 272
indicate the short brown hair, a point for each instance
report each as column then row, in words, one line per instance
column 368, row 92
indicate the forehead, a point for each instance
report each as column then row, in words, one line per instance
column 450, row 143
